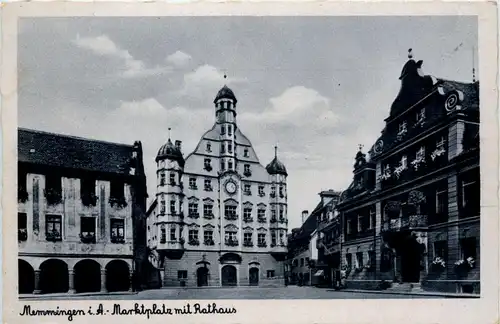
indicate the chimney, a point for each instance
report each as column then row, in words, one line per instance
column 305, row 213
column 178, row 145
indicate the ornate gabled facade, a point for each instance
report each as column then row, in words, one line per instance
column 81, row 214
column 219, row 216
column 410, row 217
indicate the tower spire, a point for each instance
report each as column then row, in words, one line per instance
column 169, row 129
column 410, row 53
column 276, row 151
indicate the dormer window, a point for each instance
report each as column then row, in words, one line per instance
column 209, row 147
column 246, row 170
column 421, row 115
column 245, row 152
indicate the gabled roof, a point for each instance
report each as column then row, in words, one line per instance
column 63, row 151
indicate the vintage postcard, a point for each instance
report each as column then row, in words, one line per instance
column 243, row 163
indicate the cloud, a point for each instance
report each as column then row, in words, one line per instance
column 298, row 106
column 179, row 58
column 148, row 107
column 104, row 46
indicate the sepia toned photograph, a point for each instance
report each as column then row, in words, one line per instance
column 167, row 159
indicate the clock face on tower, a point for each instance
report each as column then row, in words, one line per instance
column 230, row 187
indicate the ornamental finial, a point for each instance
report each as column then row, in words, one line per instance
column 360, row 147
column 169, row 129
column 410, row 53
column 276, row 150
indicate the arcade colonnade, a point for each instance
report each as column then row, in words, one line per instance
column 72, row 275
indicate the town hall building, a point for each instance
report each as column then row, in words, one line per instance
column 219, row 217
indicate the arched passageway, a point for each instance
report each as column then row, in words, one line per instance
column 54, row 276
column 26, row 277
column 87, row 276
column 117, row 276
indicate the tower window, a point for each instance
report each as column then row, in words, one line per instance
column 172, row 178
column 229, row 165
column 162, row 207
column 172, row 234
column 222, row 129
column 163, row 237
column 162, row 178
column 222, row 165
column 172, row 206
column 229, row 130
column 207, row 165
column 230, row 148
column 223, row 148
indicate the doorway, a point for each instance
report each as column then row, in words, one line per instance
column 253, row 276
column 410, row 260
column 202, row 277
column 229, row 277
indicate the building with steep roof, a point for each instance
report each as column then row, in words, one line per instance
column 81, row 214
column 219, row 217
column 411, row 217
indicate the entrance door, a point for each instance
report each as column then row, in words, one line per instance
column 254, row 276
column 202, row 277
column 229, row 275
column 410, row 262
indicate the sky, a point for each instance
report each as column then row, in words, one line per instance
column 315, row 86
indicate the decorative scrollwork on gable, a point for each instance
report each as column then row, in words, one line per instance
column 193, row 199
column 247, row 204
column 230, row 202
column 231, row 227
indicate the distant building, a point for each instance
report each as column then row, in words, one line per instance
column 411, row 216
column 303, row 258
column 219, row 217
column 81, row 214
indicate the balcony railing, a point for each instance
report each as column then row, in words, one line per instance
column 404, row 223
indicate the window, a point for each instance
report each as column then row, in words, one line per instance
column 172, row 234
column 273, row 214
column 207, row 210
column 348, row 260
column 87, row 192
column 117, row 229
column 230, row 237
column 117, row 189
column 223, row 148
column 230, row 212
column 193, row 235
column 361, row 220
column 273, row 191
column 208, row 237
column 247, row 212
column 261, row 213
column 261, row 191
column 247, row 238
column 172, row 178
column 208, row 185
column 22, row 226
column 301, row 262
column 372, row 218
column 421, row 115
column 229, row 130
column 359, row 259
column 421, row 153
column 441, row 250
column 162, row 179
column 441, row 143
column 229, row 165
column 182, row 274
column 87, row 226
column 172, row 206
column 273, row 238
column 442, row 201
column 229, row 148
column 371, row 258
column 193, row 209
column 192, row 183
column 403, row 161
column 270, row 273
column 53, row 188
column 209, row 147
column 163, row 235
column 281, row 239
column 222, row 165
column 246, row 168
column 349, row 226
column 306, row 261
column 261, row 238
column 402, row 127
column 281, row 192
column 245, row 152
column 247, row 189
column 207, row 164
column 468, row 247
column 162, row 207
column 223, row 129
column 471, row 194
column 282, row 212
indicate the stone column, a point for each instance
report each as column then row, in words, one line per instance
column 103, row 281
column 37, row 282
column 131, row 281
column 71, row 275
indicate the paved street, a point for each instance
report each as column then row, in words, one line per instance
column 291, row 292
